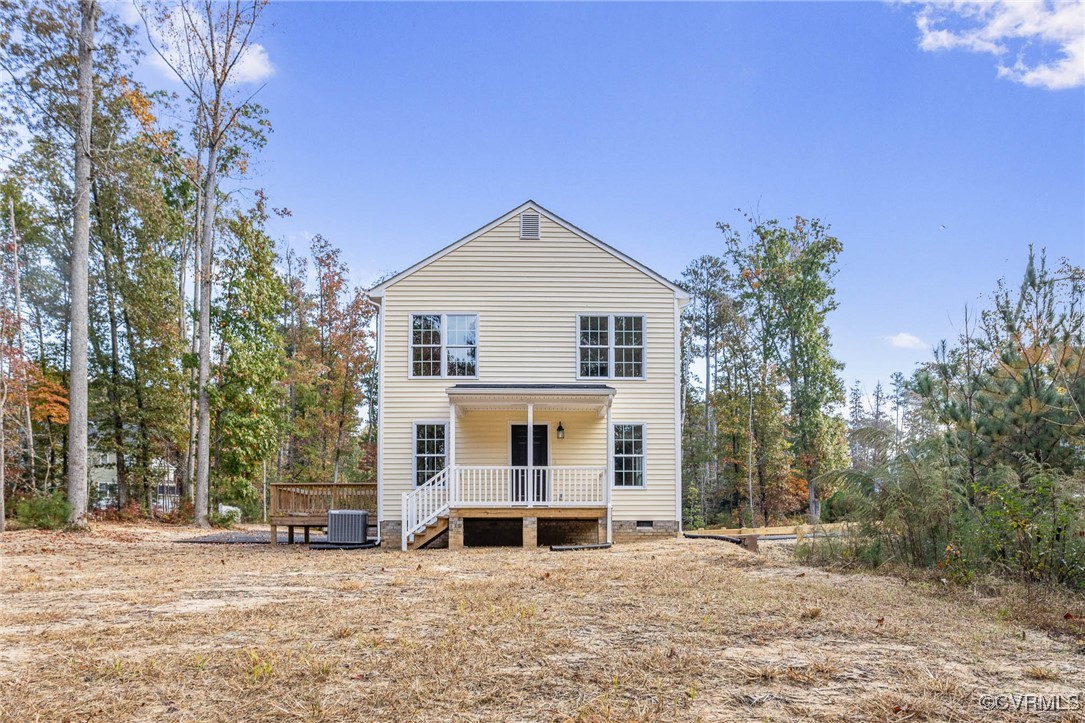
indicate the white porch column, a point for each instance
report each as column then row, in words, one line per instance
column 608, row 482
column 530, row 454
column 451, row 441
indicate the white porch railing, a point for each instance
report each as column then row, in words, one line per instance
column 501, row 486
column 509, row 486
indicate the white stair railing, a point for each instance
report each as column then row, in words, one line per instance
column 424, row 505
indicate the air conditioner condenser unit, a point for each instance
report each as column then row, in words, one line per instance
column 348, row 527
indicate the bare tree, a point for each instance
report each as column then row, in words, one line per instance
column 77, row 424
column 204, row 42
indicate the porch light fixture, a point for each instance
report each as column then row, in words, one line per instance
column 561, row 431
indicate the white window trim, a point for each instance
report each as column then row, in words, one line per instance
column 414, row 445
column 610, row 347
column 644, row 456
column 444, row 343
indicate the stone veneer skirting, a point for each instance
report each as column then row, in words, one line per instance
column 622, row 531
column 391, row 534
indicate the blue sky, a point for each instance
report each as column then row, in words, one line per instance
column 401, row 127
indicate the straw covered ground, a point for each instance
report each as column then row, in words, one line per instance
column 121, row 623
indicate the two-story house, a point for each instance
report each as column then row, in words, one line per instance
column 529, row 391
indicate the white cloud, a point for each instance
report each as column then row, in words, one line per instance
column 1037, row 43
column 254, row 65
column 904, row 340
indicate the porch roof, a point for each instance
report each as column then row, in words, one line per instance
column 571, row 397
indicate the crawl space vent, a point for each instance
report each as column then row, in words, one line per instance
column 529, row 225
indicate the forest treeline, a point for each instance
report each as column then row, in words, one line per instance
column 973, row 462
column 761, row 389
column 215, row 360
column 134, row 235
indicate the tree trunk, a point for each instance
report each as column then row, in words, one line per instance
column 28, row 422
column 3, row 442
column 185, row 458
column 114, row 394
column 137, row 357
column 710, row 447
column 203, row 426
column 77, row 423
column 193, row 407
column 3, row 404
column 749, row 455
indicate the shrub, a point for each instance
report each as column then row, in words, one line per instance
column 251, row 509
column 223, row 520
column 1026, row 524
column 1031, row 527
column 44, row 512
column 129, row 513
column 183, row 514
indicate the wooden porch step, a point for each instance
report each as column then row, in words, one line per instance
column 433, row 530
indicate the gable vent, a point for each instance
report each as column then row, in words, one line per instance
column 529, row 225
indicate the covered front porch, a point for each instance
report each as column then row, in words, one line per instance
column 516, row 452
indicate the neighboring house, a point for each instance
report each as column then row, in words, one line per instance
column 103, row 480
column 528, row 323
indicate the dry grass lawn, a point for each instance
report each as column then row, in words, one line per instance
column 121, row 623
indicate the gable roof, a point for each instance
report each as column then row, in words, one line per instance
column 378, row 290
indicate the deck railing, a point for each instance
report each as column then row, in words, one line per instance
column 313, row 500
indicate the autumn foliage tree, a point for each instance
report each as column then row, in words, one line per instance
column 332, row 366
column 163, row 193
column 766, row 406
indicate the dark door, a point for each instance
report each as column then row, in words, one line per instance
column 519, row 459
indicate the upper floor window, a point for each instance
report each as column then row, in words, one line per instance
column 444, row 345
column 610, row 346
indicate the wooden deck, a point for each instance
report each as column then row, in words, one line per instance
column 307, row 505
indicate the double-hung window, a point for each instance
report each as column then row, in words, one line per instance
column 444, row 345
column 429, row 450
column 610, row 346
column 628, row 455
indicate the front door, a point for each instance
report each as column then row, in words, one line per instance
column 540, row 441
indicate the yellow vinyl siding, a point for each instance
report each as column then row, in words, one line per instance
column 483, row 437
column 527, row 294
